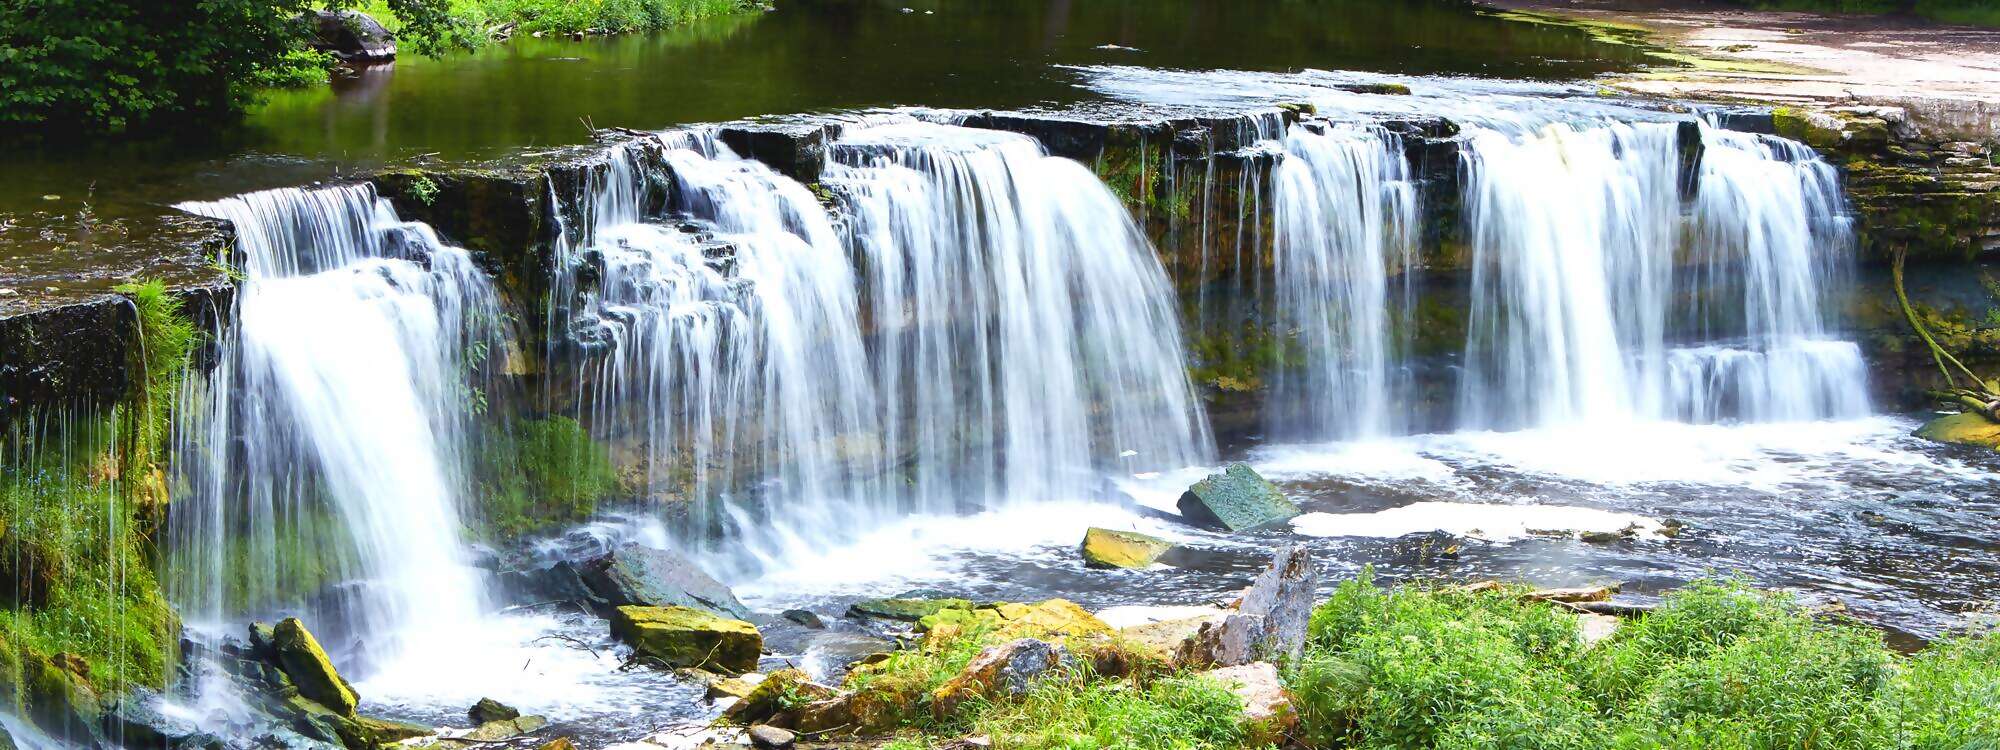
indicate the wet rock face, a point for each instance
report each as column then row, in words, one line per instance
column 795, row 149
column 1933, row 195
column 1236, row 499
column 647, row 577
column 352, row 36
column 300, row 655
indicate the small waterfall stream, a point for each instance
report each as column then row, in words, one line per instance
column 1598, row 296
column 332, row 444
column 1344, row 251
column 974, row 323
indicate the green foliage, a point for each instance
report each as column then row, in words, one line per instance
column 1718, row 665
column 424, row 190
column 543, row 472
column 67, row 511
column 97, row 66
column 462, row 23
column 166, row 340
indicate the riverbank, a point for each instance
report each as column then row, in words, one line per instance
column 1947, row 77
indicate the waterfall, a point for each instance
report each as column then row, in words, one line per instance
column 329, row 445
column 1598, row 295
column 973, row 323
column 1344, row 221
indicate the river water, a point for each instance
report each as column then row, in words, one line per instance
column 938, row 373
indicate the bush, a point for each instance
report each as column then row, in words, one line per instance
column 105, row 66
column 1717, row 665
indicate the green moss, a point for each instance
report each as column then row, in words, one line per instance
column 542, row 473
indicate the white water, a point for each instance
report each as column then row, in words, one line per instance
column 1595, row 299
column 985, row 327
column 334, row 431
column 1344, row 244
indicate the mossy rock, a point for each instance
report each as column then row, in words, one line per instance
column 1237, row 499
column 302, row 658
column 1963, row 429
column 1105, row 548
column 389, row 731
column 59, row 698
column 779, row 692
column 684, row 637
column 906, row 610
column 1046, row 619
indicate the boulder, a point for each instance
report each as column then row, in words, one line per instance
column 1235, row 499
column 488, row 709
column 777, row 693
column 1007, row 670
column 59, row 699
column 1963, row 429
column 1270, row 622
column 1268, row 713
column 390, row 731
column 647, row 577
column 684, row 637
column 302, row 659
column 138, row 722
column 1105, row 548
column 805, row 617
column 906, row 610
column 771, row 738
column 1053, row 617
column 352, row 36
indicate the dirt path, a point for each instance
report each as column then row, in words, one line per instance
column 1946, row 77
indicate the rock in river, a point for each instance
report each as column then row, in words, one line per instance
column 1963, row 429
column 685, row 637
column 488, row 709
column 1236, row 499
column 646, row 577
column 353, row 36
column 300, row 655
column 1105, row 548
column 1270, row 622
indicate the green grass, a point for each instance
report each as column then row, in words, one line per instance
column 1718, row 666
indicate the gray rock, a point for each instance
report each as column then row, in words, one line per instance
column 488, row 710
column 771, row 738
column 1269, row 624
column 1236, row 499
column 805, row 617
column 137, row 723
column 646, row 577
column 353, row 36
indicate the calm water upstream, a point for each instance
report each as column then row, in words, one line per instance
column 807, row 56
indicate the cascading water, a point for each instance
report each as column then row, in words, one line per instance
column 1344, row 244
column 985, row 326
column 332, row 442
column 1596, row 299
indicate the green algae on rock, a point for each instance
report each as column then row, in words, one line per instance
column 1237, row 499
column 1105, row 548
column 684, row 637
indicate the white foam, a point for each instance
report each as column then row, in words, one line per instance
column 1496, row 523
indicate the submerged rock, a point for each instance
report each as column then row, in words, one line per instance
column 1105, row 548
column 1007, row 670
column 1236, row 499
column 488, row 709
column 300, row 655
column 685, row 637
column 1963, row 429
column 905, row 609
column 646, row 577
column 1268, row 713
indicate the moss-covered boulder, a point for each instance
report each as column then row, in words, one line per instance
column 779, row 692
column 685, row 637
column 906, row 610
column 299, row 654
column 1046, row 619
column 488, row 709
column 1105, row 548
column 59, row 697
column 1236, row 499
column 1963, row 429
column 390, row 731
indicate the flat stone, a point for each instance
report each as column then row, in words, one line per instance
column 1107, row 548
column 906, row 609
column 1236, row 499
column 685, row 637
column 1267, row 708
column 770, row 737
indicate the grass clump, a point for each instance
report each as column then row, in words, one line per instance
column 1717, row 665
